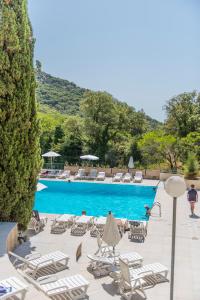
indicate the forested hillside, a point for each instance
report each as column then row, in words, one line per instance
column 64, row 96
column 60, row 94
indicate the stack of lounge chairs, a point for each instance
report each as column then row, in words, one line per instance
column 138, row 230
column 37, row 222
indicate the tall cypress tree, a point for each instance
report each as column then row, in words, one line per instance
column 19, row 129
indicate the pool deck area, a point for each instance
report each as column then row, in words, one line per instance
column 156, row 248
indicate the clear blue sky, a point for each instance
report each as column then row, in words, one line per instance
column 143, row 52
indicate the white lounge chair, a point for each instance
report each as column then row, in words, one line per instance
column 138, row 230
column 71, row 287
column 80, row 174
column 67, row 219
column 75, row 286
column 98, row 226
column 92, row 174
column 54, row 173
column 133, row 279
column 57, row 227
column 118, row 177
column 81, row 225
column 13, row 287
column 138, row 176
column 37, row 223
column 103, row 248
column 34, row 262
column 122, row 224
column 127, row 177
column 102, row 265
column 64, row 175
column 101, row 176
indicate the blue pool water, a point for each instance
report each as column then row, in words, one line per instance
column 125, row 201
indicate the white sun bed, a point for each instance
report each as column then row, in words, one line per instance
column 101, row 176
column 133, row 279
column 67, row 219
column 80, row 174
column 98, row 226
column 64, row 175
column 75, row 286
column 34, row 262
column 92, row 174
column 103, row 248
column 102, row 265
column 15, row 287
column 81, row 224
column 70, row 287
column 127, row 177
column 118, row 177
column 138, row 176
column 138, row 230
column 60, row 224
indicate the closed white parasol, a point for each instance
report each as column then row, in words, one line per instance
column 111, row 235
column 131, row 163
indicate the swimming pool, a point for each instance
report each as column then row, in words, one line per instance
column 125, row 201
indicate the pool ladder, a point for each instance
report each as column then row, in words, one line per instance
column 158, row 204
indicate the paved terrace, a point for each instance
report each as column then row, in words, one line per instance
column 156, row 248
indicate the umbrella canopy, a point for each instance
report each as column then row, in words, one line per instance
column 111, row 234
column 51, row 154
column 89, row 157
column 131, row 163
column 40, row 187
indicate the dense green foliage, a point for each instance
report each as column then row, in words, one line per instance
column 191, row 166
column 19, row 132
column 179, row 136
column 183, row 114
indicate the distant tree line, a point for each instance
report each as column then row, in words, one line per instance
column 114, row 131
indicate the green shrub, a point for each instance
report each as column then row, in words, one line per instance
column 191, row 167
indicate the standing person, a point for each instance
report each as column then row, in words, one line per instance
column 192, row 197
